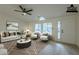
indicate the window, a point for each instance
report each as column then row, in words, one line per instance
column 59, row 29
column 42, row 18
column 37, row 27
column 45, row 27
column 49, row 28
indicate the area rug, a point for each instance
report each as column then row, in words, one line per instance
column 34, row 49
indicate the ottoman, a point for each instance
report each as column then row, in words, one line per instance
column 23, row 43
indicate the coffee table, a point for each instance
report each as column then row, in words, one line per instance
column 22, row 43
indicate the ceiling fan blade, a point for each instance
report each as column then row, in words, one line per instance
column 21, row 7
column 28, row 13
column 29, row 10
column 17, row 10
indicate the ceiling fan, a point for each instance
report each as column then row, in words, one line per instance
column 24, row 11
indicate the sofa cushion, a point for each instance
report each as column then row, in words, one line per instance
column 44, row 38
column 3, row 34
column 14, row 33
column 7, row 34
column 33, row 36
column 18, row 33
column 45, row 34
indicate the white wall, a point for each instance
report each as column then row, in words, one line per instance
column 68, row 25
column 77, row 24
column 4, row 19
column 69, row 31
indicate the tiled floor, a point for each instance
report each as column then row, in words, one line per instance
column 42, row 48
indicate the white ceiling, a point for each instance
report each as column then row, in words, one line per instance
column 46, row 10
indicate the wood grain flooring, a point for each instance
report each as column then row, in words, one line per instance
column 34, row 49
column 41, row 48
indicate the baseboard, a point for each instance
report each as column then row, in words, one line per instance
column 66, row 43
column 77, row 45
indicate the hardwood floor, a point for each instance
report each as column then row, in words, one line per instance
column 60, row 49
column 41, row 48
column 34, row 49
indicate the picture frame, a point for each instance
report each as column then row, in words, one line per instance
column 12, row 26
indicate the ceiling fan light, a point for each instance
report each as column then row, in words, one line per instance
column 23, row 13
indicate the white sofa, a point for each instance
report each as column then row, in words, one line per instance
column 9, row 38
column 33, row 36
column 45, row 36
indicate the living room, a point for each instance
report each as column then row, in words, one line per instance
column 51, row 24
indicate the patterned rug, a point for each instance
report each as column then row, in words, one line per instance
column 34, row 49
